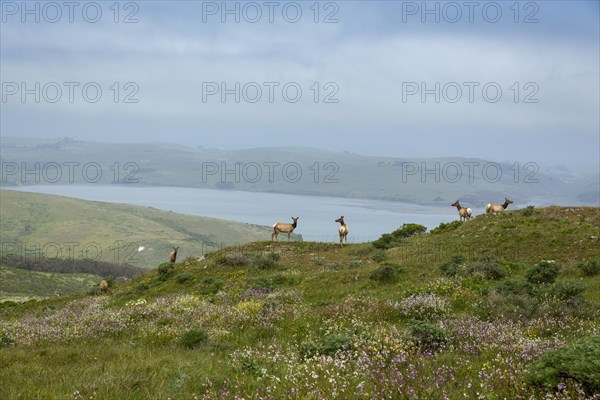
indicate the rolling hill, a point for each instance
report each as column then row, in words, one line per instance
column 62, row 227
column 502, row 306
column 303, row 171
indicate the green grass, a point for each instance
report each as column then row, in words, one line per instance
column 56, row 226
column 313, row 323
column 21, row 285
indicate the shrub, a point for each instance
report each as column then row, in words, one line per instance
column 389, row 240
column 235, row 258
column 489, row 267
column 567, row 290
column 589, row 268
column 164, row 270
column 578, row 360
column 183, row 278
column 266, row 261
column 378, row 255
column 426, row 336
column 527, row 211
column 543, row 272
column 355, row 263
column 211, row 285
column 328, row 345
column 140, row 287
column 447, row 226
column 453, row 266
column 5, row 341
column 192, row 339
column 423, row 306
column 386, row 272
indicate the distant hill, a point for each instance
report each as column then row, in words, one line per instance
column 55, row 226
column 294, row 170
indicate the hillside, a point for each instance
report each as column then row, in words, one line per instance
column 472, row 310
column 20, row 285
column 296, row 170
column 55, row 226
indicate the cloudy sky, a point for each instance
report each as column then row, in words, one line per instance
column 496, row 80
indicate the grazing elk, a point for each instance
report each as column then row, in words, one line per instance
column 285, row 228
column 173, row 255
column 104, row 286
column 496, row 208
column 463, row 212
column 343, row 230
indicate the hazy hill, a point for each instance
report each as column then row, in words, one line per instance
column 55, row 226
column 296, row 171
column 477, row 307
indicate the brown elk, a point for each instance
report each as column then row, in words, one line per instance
column 285, row 228
column 173, row 255
column 343, row 230
column 463, row 212
column 104, row 286
column 496, row 208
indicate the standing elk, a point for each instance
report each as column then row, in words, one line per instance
column 343, row 230
column 463, row 212
column 496, row 208
column 285, row 228
column 104, row 286
column 173, row 255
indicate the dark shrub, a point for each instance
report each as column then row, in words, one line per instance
column 527, row 211
column 378, row 255
column 447, row 227
column 193, row 339
column 235, row 258
column 453, row 266
column 389, row 240
column 579, row 360
column 589, row 268
column 489, row 267
column 183, row 278
column 210, row 285
column 543, row 272
column 567, row 290
column 5, row 341
column 140, row 287
column 386, row 272
column 426, row 336
column 164, row 270
column 328, row 346
column 267, row 261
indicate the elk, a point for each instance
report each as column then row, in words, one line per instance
column 496, row 208
column 104, row 286
column 463, row 212
column 343, row 230
column 173, row 255
column 285, row 228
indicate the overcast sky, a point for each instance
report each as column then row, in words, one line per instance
column 361, row 68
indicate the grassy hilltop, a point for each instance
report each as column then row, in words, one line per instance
column 498, row 307
column 63, row 227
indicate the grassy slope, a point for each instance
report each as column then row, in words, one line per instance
column 357, row 176
column 318, row 290
column 39, row 220
column 21, row 285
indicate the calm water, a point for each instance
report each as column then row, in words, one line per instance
column 367, row 219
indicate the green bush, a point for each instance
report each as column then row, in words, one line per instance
column 447, row 227
column 183, row 278
column 355, row 263
column 386, row 272
column 567, row 290
column 527, row 211
column 5, row 341
column 164, row 270
column 327, row 346
column 210, row 285
column 235, row 258
column 426, row 336
column 489, row 267
column 378, row 255
column 579, row 360
column 140, row 287
column 589, row 268
column 266, row 261
column 192, row 339
column 543, row 272
column 454, row 266
column 389, row 240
